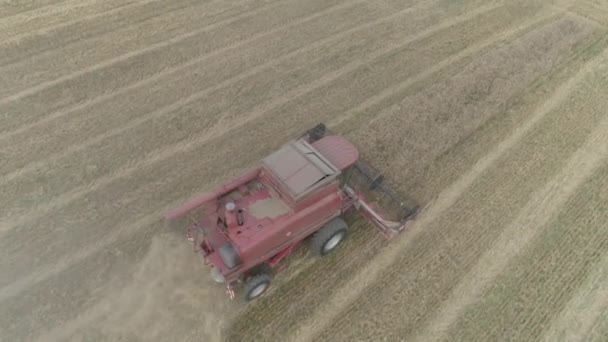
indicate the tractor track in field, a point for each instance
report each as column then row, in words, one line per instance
column 110, row 238
column 472, row 239
column 218, row 129
column 113, row 112
column 14, row 33
column 584, row 310
column 23, row 52
column 600, row 329
column 54, row 9
column 592, row 10
column 80, row 99
column 555, row 258
column 91, row 138
column 20, row 9
column 61, row 113
column 145, row 27
column 160, row 33
column 540, row 209
column 498, row 128
column 20, row 282
column 472, row 50
column 150, row 48
column 456, row 103
column 446, row 199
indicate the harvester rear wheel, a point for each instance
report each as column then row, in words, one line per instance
column 329, row 237
column 256, row 286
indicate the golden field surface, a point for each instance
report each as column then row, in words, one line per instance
column 492, row 114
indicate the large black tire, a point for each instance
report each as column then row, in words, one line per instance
column 256, row 286
column 329, row 237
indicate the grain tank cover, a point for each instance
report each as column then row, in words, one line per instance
column 300, row 167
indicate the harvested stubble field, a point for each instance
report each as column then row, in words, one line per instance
column 492, row 114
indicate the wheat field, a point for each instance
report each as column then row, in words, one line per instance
column 490, row 113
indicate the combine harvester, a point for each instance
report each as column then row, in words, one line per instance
column 244, row 228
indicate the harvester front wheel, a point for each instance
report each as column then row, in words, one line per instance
column 329, row 237
column 256, row 286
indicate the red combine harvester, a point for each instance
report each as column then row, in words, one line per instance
column 244, row 228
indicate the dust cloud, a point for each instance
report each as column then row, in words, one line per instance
column 170, row 297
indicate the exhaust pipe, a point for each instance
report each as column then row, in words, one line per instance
column 230, row 216
column 239, row 217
